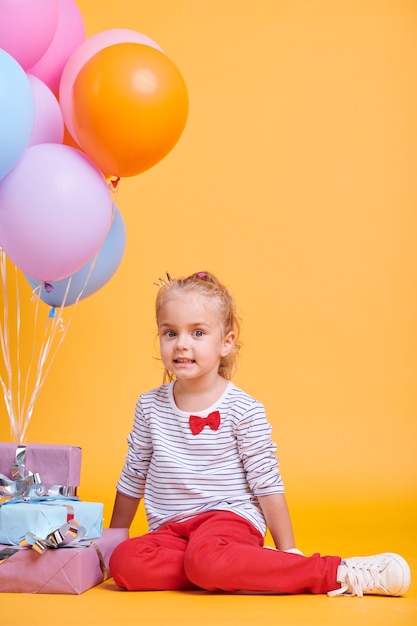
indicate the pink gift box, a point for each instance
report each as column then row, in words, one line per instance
column 64, row 570
column 55, row 464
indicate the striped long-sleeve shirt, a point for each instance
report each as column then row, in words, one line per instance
column 181, row 475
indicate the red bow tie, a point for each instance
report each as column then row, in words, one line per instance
column 197, row 423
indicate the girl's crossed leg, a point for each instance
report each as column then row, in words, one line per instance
column 218, row 550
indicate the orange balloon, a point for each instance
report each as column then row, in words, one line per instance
column 129, row 108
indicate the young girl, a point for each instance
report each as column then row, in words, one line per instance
column 201, row 455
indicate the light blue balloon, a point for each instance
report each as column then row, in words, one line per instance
column 103, row 266
column 17, row 112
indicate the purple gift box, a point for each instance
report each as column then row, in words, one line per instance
column 56, row 464
column 61, row 570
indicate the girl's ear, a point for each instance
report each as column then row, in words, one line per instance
column 228, row 343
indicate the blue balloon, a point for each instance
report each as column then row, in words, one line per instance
column 17, row 112
column 92, row 276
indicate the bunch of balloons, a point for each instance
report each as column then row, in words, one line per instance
column 75, row 111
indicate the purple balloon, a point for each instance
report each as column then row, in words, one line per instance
column 55, row 211
column 49, row 124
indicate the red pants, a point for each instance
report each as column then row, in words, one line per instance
column 218, row 550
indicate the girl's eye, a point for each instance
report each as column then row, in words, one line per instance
column 170, row 333
column 198, row 333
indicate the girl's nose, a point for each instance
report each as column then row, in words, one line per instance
column 182, row 341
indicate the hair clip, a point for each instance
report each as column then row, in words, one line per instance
column 162, row 282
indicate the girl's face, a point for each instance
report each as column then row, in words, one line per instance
column 191, row 335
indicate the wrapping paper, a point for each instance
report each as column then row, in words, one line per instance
column 64, row 570
column 55, row 464
column 42, row 518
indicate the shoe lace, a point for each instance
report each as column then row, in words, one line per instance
column 359, row 578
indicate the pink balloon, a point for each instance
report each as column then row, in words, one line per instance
column 82, row 54
column 69, row 34
column 55, row 211
column 49, row 124
column 27, row 28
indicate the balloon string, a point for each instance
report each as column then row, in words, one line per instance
column 45, row 351
column 19, row 400
column 18, row 323
column 53, row 324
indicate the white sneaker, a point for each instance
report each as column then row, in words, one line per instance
column 385, row 574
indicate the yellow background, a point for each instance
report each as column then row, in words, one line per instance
column 295, row 182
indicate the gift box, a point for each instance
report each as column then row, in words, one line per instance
column 64, row 570
column 42, row 518
column 55, row 464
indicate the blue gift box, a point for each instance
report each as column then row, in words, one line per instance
column 42, row 518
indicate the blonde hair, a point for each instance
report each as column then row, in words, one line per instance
column 209, row 286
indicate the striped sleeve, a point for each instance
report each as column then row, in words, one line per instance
column 133, row 477
column 256, row 448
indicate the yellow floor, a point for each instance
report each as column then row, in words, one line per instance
column 106, row 604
